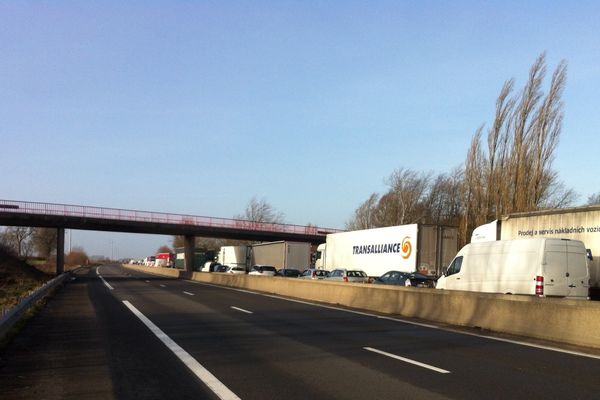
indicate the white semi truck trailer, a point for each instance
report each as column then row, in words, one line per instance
column 581, row 223
column 282, row 254
column 426, row 249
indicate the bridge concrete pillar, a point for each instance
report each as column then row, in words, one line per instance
column 60, row 251
column 189, row 251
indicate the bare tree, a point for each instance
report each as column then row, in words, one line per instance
column 409, row 189
column 444, row 198
column 164, row 249
column 515, row 174
column 19, row 239
column 44, row 241
column 261, row 211
column 593, row 199
column 412, row 197
column 77, row 256
column 365, row 216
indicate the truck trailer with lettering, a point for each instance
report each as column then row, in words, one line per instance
column 580, row 223
column 425, row 249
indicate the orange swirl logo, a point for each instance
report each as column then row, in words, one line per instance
column 406, row 248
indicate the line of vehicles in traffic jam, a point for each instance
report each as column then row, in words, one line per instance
column 544, row 253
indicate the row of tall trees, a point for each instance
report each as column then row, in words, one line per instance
column 508, row 166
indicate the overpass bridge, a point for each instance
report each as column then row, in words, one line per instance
column 64, row 216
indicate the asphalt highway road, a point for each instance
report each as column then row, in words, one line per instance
column 115, row 333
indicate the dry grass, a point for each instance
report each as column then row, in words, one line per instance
column 18, row 279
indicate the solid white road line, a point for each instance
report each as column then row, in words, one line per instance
column 107, row 284
column 161, row 285
column 407, row 360
column 100, row 276
column 202, row 373
column 189, row 294
column 242, row 310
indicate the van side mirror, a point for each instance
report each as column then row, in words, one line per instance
column 589, row 254
column 445, row 271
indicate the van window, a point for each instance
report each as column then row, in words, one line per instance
column 454, row 268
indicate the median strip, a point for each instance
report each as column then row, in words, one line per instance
column 407, row 360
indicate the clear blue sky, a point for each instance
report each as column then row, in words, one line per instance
column 196, row 106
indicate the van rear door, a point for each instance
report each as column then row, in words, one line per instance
column 555, row 270
column 578, row 274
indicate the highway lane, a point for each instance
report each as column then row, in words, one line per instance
column 313, row 352
column 261, row 347
column 85, row 345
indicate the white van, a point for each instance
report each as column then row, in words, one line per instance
column 540, row 266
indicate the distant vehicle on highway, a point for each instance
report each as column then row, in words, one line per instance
column 348, row 275
column 236, row 270
column 149, row 261
column 221, row 268
column 314, row 274
column 405, row 279
column 288, row 273
column 263, row 270
column 164, row 260
column 211, row 266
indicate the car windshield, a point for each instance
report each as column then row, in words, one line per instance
column 270, row 269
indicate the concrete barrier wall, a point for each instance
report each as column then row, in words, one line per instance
column 574, row 322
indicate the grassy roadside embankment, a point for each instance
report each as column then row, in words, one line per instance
column 17, row 280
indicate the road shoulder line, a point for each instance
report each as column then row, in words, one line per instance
column 222, row 391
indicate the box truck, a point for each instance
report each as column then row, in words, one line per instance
column 234, row 256
column 166, row 260
column 281, row 254
column 581, row 223
column 540, row 266
column 408, row 248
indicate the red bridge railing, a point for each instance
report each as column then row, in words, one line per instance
column 35, row 208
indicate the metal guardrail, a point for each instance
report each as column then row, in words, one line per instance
column 35, row 208
column 8, row 320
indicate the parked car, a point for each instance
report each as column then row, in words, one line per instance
column 288, row 273
column 314, row 274
column 236, row 270
column 348, row 275
column 263, row 270
column 405, row 279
